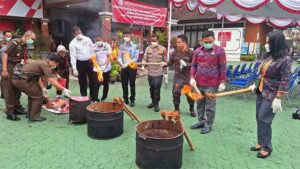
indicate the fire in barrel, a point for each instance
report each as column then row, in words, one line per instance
column 159, row 145
column 104, row 120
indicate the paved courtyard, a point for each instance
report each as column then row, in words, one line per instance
column 55, row 144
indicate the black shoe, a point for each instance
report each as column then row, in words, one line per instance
column 206, row 129
column 36, row 119
column 27, row 116
column 126, row 102
column 150, row 106
column 193, row 113
column 12, row 117
column 103, row 99
column 260, row 155
column 156, row 108
column 20, row 111
column 256, row 148
column 132, row 104
column 197, row 125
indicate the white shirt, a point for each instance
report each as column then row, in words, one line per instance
column 102, row 54
column 80, row 50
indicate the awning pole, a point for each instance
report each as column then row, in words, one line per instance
column 169, row 40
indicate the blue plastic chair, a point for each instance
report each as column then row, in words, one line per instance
column 229, row 71
column 243, row 82
column 242, row 71
column 249, row 69
column 291, row 86
column 235, row 72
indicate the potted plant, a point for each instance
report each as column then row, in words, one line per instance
column 115, row 73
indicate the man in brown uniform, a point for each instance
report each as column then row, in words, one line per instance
column 181, row 58
column 7, row 35
column 27, row 79
column 15, row 51
column 155, row 53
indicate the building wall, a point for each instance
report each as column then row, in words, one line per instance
column 251, row 31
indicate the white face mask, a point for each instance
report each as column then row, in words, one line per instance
column 79, row 37
column 126, row 39
column 99, row 44
column 154, row 44
column 267, row 47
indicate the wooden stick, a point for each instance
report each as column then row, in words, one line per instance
column 128, row 110
column 150, row 64
column 234, row 92
column 187, row 136
column 196, row 89
column 130, row 115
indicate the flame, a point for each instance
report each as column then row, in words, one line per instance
column 188, row 90
column 97, row 67
column 114, row 54
column 170, row 115
column 133, row 65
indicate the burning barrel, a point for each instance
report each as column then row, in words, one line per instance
column 159, row 145
column 105, row 120
column 77, row 113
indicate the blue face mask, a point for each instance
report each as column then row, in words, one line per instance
column 29, row 42
column 8, row 39
column 208, row 45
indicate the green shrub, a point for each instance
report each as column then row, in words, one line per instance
column 248, row 58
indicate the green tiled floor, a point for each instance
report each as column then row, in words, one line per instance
column 55, row 144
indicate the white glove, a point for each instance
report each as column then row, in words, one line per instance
column 67, row 92
column 252, row 87
column 143, row 68
column 193, row 82
column 182, row 63
column 276, row 105
column 163, row 64
column 124, row 65
column 102, row 67
column 166, row 78
column 94, row 69
column 221, row 87
column 75, row 72
column 45, row 92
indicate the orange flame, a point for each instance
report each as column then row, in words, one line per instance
column 114, row 54
column 170, row 115
column 188, row 90
column 133, row 65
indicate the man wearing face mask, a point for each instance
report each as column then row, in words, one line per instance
column 15, row 52
column 7, row 35
column 128, row 49
column 208, row 72
column 80, row 54
column 27, row 79
column 155, row 53
column 103, row 51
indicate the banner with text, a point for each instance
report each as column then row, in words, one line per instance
column 134, row 12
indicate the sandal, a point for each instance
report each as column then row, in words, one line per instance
column 263, row 153
column 256, row 148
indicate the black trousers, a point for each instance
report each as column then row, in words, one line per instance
column 128, row 75
column 105, row 83
column 154, row 88
column 85, row 70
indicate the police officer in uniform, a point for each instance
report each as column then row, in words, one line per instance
column 16, row 50
column 181, row 59
column 7, row 35
column 103, row 51
column 27, row 79
column 155, row 53
column 127, row 73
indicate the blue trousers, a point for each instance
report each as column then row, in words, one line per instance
column 264, row 118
